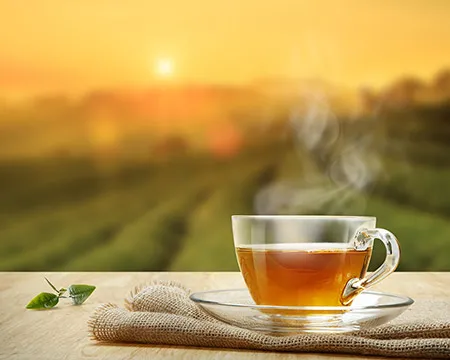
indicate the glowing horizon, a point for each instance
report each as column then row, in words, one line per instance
column 81, row 46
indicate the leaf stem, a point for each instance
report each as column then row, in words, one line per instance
column 53, row 287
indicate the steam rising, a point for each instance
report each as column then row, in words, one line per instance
column 339, row 161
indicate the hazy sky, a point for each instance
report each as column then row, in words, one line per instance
column 51, row 45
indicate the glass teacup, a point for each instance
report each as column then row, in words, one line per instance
column 309, row 260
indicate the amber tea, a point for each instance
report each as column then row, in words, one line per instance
column 301, row 274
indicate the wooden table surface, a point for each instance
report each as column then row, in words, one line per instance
column 61, row 333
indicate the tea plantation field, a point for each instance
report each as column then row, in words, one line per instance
column 176, row 215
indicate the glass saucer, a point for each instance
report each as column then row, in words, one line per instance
column 236, row 307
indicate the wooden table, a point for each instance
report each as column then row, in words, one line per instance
column 61, row 333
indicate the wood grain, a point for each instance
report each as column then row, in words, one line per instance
column 61, row 333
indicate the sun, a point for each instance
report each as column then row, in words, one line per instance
column 164, row 67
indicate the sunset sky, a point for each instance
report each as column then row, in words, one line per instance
column 77, row 46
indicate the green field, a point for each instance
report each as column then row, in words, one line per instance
column 76, row 214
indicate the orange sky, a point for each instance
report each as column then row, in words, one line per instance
column 75, row 46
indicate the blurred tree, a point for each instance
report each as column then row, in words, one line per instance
column 403, row 93
column 172, row 145
column 441, row 84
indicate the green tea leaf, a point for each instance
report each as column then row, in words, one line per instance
column 53, row 287
column 79, row 293
column 43, row 301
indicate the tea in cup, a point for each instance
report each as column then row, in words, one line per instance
column 309, row 260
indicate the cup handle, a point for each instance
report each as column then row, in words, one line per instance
column 362, row 240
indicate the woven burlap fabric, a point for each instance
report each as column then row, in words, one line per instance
column 162, row 314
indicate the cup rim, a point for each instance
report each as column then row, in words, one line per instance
column 306, row 217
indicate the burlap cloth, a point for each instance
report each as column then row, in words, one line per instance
column 162, row 314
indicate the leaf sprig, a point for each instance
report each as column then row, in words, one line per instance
column 45, row 300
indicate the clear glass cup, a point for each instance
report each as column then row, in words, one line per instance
column 310, row 260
